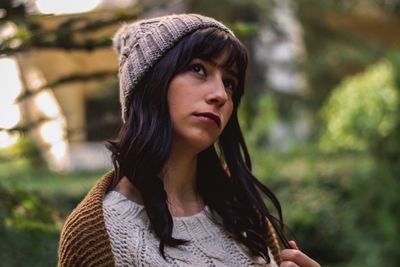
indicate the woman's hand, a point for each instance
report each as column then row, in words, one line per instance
column 295, row 258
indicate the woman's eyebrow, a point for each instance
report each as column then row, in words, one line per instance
column 229, row 70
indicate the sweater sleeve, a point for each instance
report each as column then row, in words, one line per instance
column 84, row 240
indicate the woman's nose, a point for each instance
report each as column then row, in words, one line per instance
column 217, row 94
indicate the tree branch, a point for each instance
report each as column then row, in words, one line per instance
column 68, row 79
column 32, row 35
column 25, row 128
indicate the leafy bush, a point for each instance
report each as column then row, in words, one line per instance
column 25, row 151
column 33, row 204
column 29, row 228
column 362, row 109
column 340, row 195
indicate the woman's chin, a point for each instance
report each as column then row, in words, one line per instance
column 195, row 143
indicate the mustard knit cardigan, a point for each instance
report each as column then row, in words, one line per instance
column 84, row 240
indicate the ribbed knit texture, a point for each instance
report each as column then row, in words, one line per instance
column 85, row 238
column 135, row 244
column 141, row 44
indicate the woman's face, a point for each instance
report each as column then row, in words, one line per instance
column 200, row 103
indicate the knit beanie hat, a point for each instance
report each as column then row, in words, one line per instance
column 141, row 44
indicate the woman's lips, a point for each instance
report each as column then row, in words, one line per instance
column 211, row 116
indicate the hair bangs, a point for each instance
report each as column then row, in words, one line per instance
column 216, row 42
column 210, row 43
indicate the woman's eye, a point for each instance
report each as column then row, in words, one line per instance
column 230, row 85
column 198, row 68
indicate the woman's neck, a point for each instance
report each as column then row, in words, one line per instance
column 179, row 177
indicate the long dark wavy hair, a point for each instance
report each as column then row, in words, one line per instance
column 224, row 179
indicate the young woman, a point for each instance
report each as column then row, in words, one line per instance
column 181, row 192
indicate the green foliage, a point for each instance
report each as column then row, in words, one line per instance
column 25, row 152
column 28, row 248
column 341, row 202
column 33, row 204
column 243, row 29
column 387, row 148
column 258, row 121
column 362, row 109
column 24, row 210
column 29, row 227
column 334, row 52
column 342, row 208
column 314, row 192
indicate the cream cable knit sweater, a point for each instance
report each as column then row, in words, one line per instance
column 133, row 242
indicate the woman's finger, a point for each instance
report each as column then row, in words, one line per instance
column 288, row 264
column 298, row 257
column 293, row 245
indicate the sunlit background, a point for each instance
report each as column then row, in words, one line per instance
column 11, row 114
column 65, row 6
column 76, row 6
column 53, row 132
